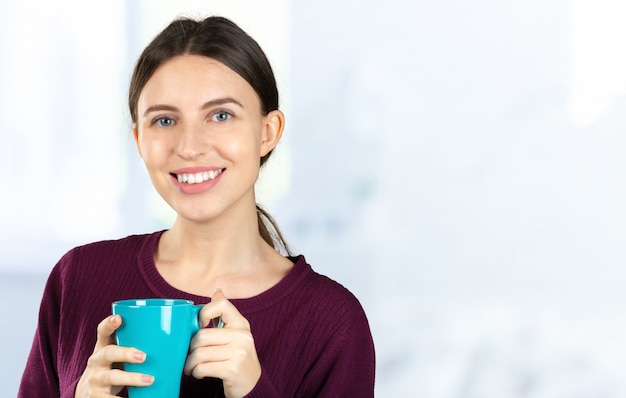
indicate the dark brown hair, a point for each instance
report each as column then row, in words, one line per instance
column 222, row 40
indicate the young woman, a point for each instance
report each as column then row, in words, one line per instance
column 204, row 107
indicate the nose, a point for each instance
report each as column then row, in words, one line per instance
column 192, row 142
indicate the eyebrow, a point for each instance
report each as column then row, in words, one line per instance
column 206, row 105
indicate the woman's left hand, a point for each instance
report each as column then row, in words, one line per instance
column 226, row 353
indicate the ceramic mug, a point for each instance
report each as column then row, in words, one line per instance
column 162, row 328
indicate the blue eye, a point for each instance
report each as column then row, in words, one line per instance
column 221, row 116
column 164, row 122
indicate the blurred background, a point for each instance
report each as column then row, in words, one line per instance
column 460, row 166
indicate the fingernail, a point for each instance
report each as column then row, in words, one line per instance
column 147, row 379
column 218, row 290
column 140, row 356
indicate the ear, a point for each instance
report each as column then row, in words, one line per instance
column 273, row 126
column 136, row 137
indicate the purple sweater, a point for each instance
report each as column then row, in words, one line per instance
column 311, row 334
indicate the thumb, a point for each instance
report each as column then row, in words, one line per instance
column 217, row 322
column 218, row 294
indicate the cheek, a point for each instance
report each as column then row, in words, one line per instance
column 152, row 152
column 243, row 147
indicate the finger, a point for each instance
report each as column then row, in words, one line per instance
column 215, row 322
column 106, row 329
column 220, row 337
column 221, row 307
column 219, row 294
column 206, row 354
column 211, row 337
column 209, row 369
column 110, row 354
column 116, row 377
column 227, row 370
column 218, row 322
column 219, row 345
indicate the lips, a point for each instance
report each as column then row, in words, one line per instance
column 195, row 180
column 198, row 177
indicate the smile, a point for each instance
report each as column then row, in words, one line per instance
column 197, row 178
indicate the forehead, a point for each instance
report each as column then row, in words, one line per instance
column 189, row 78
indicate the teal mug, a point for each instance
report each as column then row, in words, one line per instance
column 162, row 328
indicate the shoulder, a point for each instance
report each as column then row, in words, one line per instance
column 111, row 246
column 86, row 268
column 324, row 294
column 345, row 335
column 105, row 253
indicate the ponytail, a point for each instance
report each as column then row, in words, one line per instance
column 270, row 233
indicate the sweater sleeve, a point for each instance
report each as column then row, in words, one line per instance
column 345, row 366
column 349, row 360
column 331, row 350
column 264, row 388
column 40, row 377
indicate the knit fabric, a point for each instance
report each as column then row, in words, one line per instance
column 311, row 334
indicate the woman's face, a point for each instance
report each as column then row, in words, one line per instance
column 201, row 134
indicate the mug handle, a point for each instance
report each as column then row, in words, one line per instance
column 195, row 320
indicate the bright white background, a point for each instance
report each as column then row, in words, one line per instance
column 459, row 166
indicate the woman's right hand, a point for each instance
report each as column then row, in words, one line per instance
column 101, row 378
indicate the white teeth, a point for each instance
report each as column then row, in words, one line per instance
column 197, row 178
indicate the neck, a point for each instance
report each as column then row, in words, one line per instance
column 225, row 252
column 212, row 248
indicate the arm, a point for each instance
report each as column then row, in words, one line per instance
column 346, row 365
column 40, row 377
column 57, row 359
column 336, row 360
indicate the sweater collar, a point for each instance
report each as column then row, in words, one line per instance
column 159, row 286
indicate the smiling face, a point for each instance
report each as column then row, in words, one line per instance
column 201, row 133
